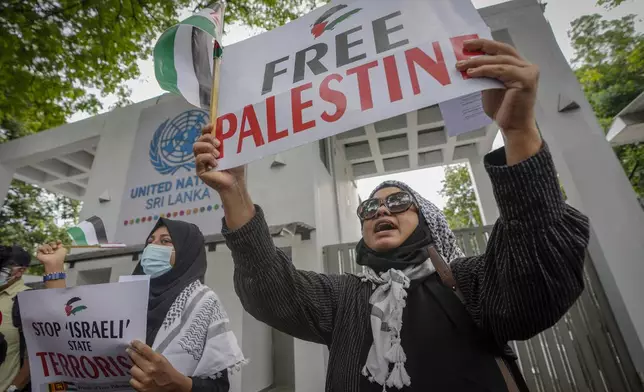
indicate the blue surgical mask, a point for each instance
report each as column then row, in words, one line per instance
column 155, row 260
column 5, row 276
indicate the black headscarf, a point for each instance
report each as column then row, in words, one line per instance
column 432, row 229
column 413, row 251
column 189, row 266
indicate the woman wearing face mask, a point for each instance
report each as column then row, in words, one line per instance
column 183, row 351
column 423, row 317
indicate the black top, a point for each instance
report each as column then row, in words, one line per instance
column 462, row 357
column 530, row 275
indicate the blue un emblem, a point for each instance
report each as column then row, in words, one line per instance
column 171, row 145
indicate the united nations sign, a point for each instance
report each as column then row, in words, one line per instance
column 161, row 179
column 171, row 145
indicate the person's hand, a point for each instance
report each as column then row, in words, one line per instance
column 52, row 256
column 206, row 155
column 512, row 108
column 153, row 372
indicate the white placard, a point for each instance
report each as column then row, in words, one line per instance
column 340, row 67
column 76, row 337
column 135, row 278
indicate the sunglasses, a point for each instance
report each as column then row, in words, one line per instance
column 396, row 203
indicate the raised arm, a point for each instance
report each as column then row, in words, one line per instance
column 532, row 270
column 271, row 289
column 52, row 257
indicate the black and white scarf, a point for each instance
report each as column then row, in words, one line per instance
column 397, row 269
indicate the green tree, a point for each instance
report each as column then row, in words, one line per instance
column 61, row 57
column 610, row 3
column 609, row 59
column 462, row 208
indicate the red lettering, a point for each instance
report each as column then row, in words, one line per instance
column 54, row 364
column 297, row 106
column 335, row 97
column 64, row 364
column 104, row 366
column 75, row 366
column 437, row 69
column 271, row 122
column 220, row 134
column 460, row 52
column 43, row 360
column 84, row 360
column 116, row 366
column 125, row 362
column 364, row 84
column 393, row 79
column 250, row 117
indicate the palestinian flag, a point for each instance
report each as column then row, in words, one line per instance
column 184, row 55
column 89, row 232
column 62, row 386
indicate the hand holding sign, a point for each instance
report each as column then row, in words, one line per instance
column 206, row 151
column 512, row 108
column 230, row 183
column 152, row 371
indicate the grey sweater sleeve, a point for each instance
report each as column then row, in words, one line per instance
column 532, row 270
column 300, row 303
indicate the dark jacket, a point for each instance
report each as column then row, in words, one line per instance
column 529, row 276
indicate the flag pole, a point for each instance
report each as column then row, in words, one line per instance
column 216, row 71
column 214, row 98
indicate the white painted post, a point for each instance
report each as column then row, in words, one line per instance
column 593, row 178
column 6, row 176
column 484, row 193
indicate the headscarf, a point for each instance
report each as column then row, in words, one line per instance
column 189, row 266
column 402, row 265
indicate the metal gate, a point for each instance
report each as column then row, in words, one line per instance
column 583, row 352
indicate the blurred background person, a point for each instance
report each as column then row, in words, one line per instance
column 14, row 370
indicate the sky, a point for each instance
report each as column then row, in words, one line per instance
column 560, row 13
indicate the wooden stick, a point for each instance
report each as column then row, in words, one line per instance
column 214, row 96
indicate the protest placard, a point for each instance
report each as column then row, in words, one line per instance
column 340, row 67
column 76, row 337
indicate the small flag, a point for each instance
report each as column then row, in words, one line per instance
column 184, row 55
column 62, row 386
column 89, row 232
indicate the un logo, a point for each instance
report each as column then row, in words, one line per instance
column 171, row 145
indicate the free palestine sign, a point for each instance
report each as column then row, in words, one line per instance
column 341, row 67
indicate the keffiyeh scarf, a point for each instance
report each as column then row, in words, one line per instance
column 195, row 335
column 388, row 299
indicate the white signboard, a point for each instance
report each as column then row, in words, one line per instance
column 340, row 67
column 161, row 180
column 76, row 337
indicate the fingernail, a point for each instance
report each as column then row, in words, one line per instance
column 460, row 63
column 469, row 71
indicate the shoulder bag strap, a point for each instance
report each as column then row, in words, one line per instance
column 447, row 277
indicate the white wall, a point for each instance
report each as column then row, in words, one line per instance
column 112, row 161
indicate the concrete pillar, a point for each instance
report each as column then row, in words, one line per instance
column 592, row 177
column 6, row 176
column 483, row 189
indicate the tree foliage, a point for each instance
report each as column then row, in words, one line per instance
column 462, row 208
column 609, row 59
column 61, row 57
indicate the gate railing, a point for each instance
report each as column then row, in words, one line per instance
column 583, row 352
